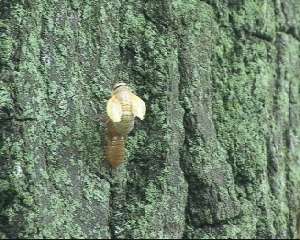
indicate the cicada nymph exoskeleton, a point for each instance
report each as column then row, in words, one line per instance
column 122, row 108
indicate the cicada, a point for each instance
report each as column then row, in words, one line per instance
column 121, row 108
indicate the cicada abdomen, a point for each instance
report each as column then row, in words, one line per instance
column 115, row 146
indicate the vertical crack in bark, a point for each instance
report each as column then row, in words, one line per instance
column 111, row 212
column 182, row 149
column 298, row 225
column 184, row 86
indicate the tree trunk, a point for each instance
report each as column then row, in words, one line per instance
column 218, row 154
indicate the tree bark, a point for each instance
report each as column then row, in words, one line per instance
column 218, row 154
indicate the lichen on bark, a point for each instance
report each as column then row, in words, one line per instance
column 218, row 153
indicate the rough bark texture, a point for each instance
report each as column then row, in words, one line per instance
column 218, row 154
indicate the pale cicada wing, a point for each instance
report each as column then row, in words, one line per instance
column 138, row 107
column 114, row 109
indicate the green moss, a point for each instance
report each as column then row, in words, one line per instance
column 6, row 44
column 217, row 154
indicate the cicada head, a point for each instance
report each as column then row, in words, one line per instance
column 120, row 87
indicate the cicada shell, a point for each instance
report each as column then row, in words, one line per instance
column 122, row 108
